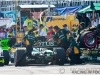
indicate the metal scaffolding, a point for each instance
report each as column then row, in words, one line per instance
column 9, row 5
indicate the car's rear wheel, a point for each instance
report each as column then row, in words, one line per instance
column 18, row 54
column 60, row 56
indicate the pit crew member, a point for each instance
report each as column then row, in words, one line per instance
column 29, row 40
column 74, row 52
column 62, row 37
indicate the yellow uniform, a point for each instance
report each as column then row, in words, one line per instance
column 35, row 33
column 19, row 35
column 29, row 24
column 44, row 29
column 10, row 34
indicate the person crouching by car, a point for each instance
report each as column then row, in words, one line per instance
column 74, row 52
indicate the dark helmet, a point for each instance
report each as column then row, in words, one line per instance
column 56, row 27
column 65, row 25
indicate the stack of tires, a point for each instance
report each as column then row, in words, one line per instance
column 87, row 40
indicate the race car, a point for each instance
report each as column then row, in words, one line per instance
column 4, row 51
column 45, row 53
column 1, row 57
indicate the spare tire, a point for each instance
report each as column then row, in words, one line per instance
column 87, row 40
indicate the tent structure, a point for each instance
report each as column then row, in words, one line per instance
column 95, row 6
column 64, row 10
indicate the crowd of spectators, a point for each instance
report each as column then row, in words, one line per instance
column 7, row 32
column 84, row 21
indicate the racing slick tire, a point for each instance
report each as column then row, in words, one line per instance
column 6, row 57
column 17, row 55
column 60, row 56
column 1, row 60
column 87, row 40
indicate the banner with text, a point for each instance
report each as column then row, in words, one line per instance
column 5, row 21
column 9, row 14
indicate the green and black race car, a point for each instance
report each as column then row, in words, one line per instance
column 1, row 57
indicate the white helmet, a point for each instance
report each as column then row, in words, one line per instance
column 13, row 23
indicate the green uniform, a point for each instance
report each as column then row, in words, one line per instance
column 30, row 38
column 98, row 30
column 75, row 48
column 80, row 29
column 62, row 38
column 75, row 53
column 98, row 26
column 62, row 35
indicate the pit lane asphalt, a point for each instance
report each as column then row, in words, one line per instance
column 51, row 69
